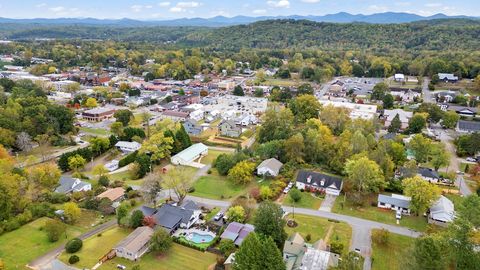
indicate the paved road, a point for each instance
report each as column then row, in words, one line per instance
column 361, row 228
column 47, row 258
column 427, row 94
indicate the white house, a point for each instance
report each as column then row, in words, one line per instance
column 136, row 244
column 112, row 165
column 269, row 167
column 395, row 202
column 70, row 185
column 399, row 77
column 313, row 181
column 441, row 212
column 189, row 155
column 449, row 77
column 128, row 147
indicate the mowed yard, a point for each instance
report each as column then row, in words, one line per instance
column 374, row 213
column 318, row 229
column 390, row 256
column 177, row 258
column 19, row 247
column 307, row 201
column 215, row 186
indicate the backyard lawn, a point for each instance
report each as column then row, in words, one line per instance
column 391, row 255
column 318, row 228
column 97, row 246
column 216, row 187
column 307, row 201
column 178, row 258
column 19, row 247
column 212, row 155
column 374, row 213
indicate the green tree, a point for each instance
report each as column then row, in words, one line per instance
column 352, row 261
column 336, row 118
column 269, row 222
column 450, row 119
column 305, row 107
column 294, row 148
column 305, row 89
column 54, row 229
column 421, row 147
column 178, row 180
column 227, row 247
column 388, row 101
column 469, row 210
column 364, row 174
column 158, row 146
column 278, row 125
column 257, row 253
column 117, row 129
column 242, row 172
column 428, row 254
column 76, row 162
column 379, row 91
column 91, row 103
column 238, row 91
column 435, row 114
column 136, row 219
column 295, row 195
column 236, row 213
column 122, row 213
column 99, row 145
column 416, row 124
column 71, row 211
column 161, row 242
column 439, row 156
column 423, row 193
column 123, row 116
column 395, row 125
column 151, row 187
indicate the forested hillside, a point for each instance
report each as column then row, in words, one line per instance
column 441, row 35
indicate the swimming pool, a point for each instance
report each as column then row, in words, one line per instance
column 199, row 238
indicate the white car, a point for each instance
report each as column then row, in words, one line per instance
column 471, row 159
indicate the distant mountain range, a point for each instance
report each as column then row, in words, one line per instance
column 219, row 21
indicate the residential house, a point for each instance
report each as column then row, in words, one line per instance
column 447, row 77
column 299, row 255
column 313, row 181
column 246, row 119
column 445, row 96
column 115, row 195
column 135, row 244
column 174, row 115
column 426, row 173
column 189, row 155
column 112, row 165
column 192, row 127
column 228, row 264
column 98, row 114
column 229, row 128
column 269, row 167
column 463, row 110
column 128, row 147
column 395, row 202
column 70, row 185
column 441, row 212
column 237, row 232
column 404, row 116
column 406, row 95
column 211, row 116
column 171, row 217
column 468, row 126
column 399, row 77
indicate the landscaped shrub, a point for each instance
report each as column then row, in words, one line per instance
column 381, row 237
column 308, row 237
column 73, row 259
column 128, row 159
column 336, row 247
column 74, row 245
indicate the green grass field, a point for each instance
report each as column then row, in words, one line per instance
column 318, row 228
column 95, row 131
column 212, row 155
column 307, row 201
column 391, row 256
column 177, row 258
column 96, row 246
column 19, row 247
column 216, row 187
column 417, row 223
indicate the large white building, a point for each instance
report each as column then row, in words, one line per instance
column 188, row 156
column 363, row 111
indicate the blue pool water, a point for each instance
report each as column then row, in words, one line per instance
column 200, row 238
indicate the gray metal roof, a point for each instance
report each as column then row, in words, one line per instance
column 394, row 201
column 469, row 125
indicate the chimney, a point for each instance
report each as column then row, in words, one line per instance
column 309, row 179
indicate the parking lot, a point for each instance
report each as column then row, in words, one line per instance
column 236, row 104
column 361, row 86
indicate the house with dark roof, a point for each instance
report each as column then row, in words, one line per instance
column 147, row 211
column 463, row 110
column 70, row 185
column 313, row 181
column 192, row 127
column 468, row 126
column 394, row 202
column 237, row 232
column 171, row 217
column 269, row 167
column 426, row 173
column 135, row 244
column 447, row 77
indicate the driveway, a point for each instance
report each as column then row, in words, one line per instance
column 45, row 260
column 427, row 94
column 327, row 203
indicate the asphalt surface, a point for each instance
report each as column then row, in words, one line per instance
column 427, row 94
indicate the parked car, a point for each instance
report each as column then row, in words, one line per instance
column 121, row 267
column 218, row 216
column 471, row 159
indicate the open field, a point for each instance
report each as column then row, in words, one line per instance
column 212, row 155
column 307, row 201
column 177, row 258
column 95, row 131
column 318, row 228
column 19, row 247
column 216, row 187
column 96, row 246
column 374, row 213
column 391, row 255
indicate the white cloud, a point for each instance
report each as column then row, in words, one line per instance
column 41, row 5
column 403, row 4
column 432, row 5
column 164, row 4
column 259, row 11
column 57, row 9
column 376, row 8
column 148, row 6
column 136, row 8
column 184, row 6
column 311, row 1
column 279, row 4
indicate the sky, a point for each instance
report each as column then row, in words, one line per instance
column 169, row 9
